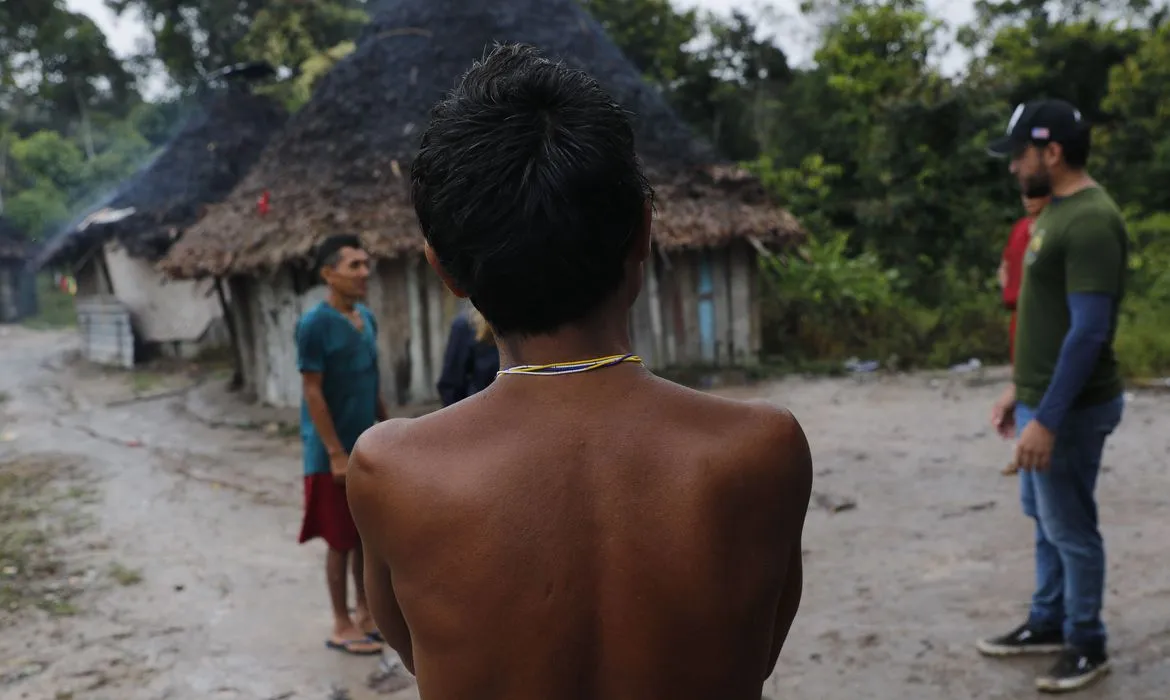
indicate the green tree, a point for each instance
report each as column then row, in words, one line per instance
column 651, row 33
column 716, row 71
column 47, row 157
column 38, row 209
column 1133, row 151
column 192, row 38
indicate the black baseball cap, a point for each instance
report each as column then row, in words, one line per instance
column 1039, row 122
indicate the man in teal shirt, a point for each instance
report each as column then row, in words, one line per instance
column 338, row 359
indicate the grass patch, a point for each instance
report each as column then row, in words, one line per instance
column 32, row 574
column 142, row 381
column 219, row 359
column 55, row 307
column 288, row 430
column 83, row 495
column 125, row 576
column 58, row 607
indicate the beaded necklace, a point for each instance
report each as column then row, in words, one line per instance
column 571, row 367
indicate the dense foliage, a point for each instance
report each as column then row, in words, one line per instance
column 879, row 152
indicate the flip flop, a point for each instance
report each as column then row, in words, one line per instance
column 346, row 647
column 376, row 636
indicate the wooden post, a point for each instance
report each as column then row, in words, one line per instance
column 742, row 258
column 659, row 344
column 417, row 319
column 721, row 296
column 233, row 336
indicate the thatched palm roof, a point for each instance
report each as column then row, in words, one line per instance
column 341, row 164
column 14, row 245
column 216, row 147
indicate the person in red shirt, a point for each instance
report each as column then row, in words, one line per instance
column 1011, row 266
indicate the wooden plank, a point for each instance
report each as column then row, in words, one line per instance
column 281, row 339
column 655, row 303
column 721, row 281
column 394, row 325
column 688, row 308
column 280, row 309
column 741, row 259
column 259, row 352
column 705, row 295
column 417, row 331
column 756, row 288
column 641, row 331
column 438, row 302
column 267, row 301
column 376, row 300
column 667, row 300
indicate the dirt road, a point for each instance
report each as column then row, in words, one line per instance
column 145, row 554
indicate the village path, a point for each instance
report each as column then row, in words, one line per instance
column 177, row 557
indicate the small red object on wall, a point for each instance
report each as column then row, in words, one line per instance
column 262, row 203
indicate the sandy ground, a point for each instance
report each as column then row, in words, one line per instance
column 147, row 545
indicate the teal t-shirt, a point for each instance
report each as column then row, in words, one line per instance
column 327, row 342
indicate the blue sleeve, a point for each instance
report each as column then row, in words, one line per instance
column 1091, row 318
column 453, row 379
column 310, row 344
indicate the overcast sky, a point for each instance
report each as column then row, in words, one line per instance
column 792, row 33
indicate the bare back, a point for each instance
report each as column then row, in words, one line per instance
column 609, row 535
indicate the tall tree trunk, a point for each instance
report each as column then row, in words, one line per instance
column 86, row 131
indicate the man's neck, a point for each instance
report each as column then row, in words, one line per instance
column 586, row 341
column 1071, row 182
column 341, row 303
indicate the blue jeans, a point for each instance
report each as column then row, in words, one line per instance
column 1070, row 554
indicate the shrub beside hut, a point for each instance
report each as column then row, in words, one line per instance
column 112, row 250
column 18, row 295
column 342, row 165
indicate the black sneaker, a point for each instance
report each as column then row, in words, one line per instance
column 1022, row 641
column 1076, row 669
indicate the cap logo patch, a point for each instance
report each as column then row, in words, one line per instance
column 1040, row 133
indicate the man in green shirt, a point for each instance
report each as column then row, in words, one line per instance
column 1066, row 394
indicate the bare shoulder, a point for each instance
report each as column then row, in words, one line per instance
column 757, row 424
column 774, row 465
column 400, row 445
column 762, row 442
column 375, row 449
column 777, row 444
column 386, row 472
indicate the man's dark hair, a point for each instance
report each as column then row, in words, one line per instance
column 329, row 252
column 528, row 188
column 1076, row 148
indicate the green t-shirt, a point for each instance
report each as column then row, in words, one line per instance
column 1079, row 245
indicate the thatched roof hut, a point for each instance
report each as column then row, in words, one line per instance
column 342, row 162
column 215, row 148
column 14, row 245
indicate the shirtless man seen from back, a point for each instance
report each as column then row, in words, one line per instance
column 601, row 535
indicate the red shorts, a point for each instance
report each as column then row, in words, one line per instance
column 327, row 514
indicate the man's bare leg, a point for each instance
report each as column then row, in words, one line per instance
column 362, row 616
column 344, row 630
